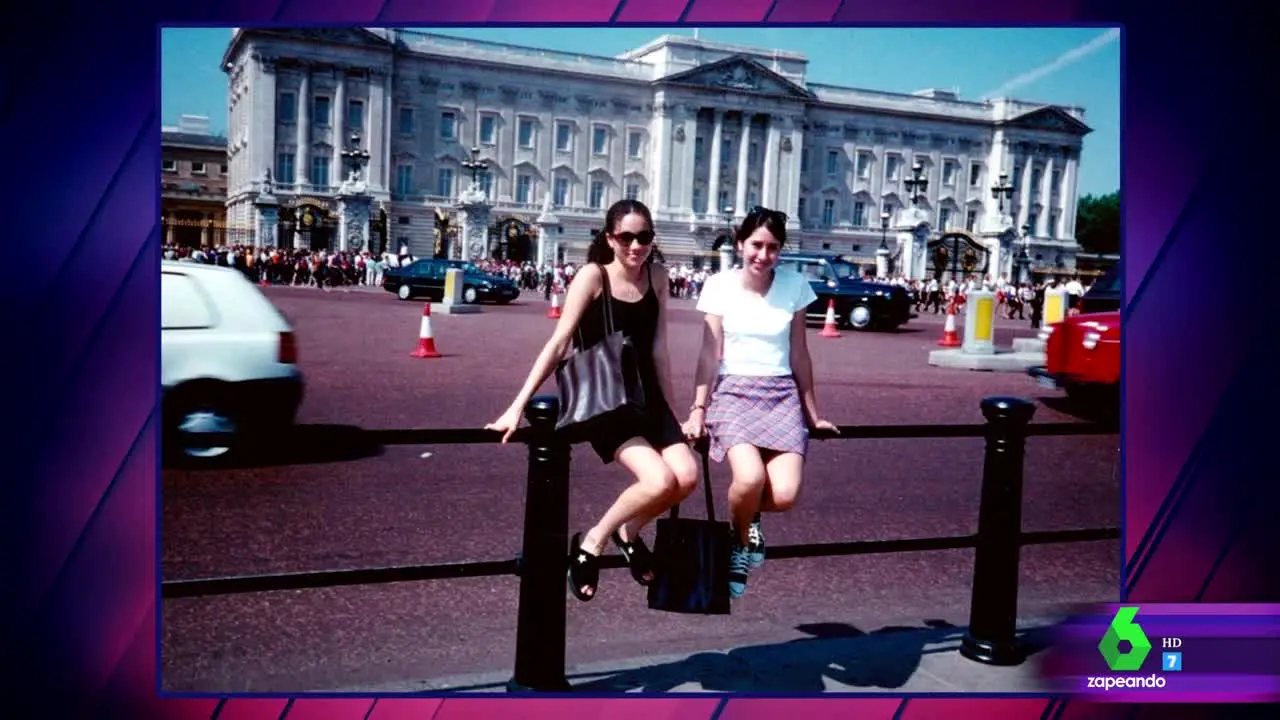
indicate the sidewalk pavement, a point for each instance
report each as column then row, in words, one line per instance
column 834, row 658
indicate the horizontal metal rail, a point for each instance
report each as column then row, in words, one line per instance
column 239, row 584
column 478, row 436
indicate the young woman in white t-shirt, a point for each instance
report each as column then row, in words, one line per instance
column 754, row 391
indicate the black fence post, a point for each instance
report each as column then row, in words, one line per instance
column 993, row 610
column 540, row 623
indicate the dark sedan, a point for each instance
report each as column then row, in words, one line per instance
column 425, row 278
column 859, row 304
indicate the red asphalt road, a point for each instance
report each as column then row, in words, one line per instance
column 322, row 508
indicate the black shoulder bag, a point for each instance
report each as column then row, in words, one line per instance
column 599, row 385
column 692, row 559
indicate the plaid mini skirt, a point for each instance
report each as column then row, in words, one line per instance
column 764, row 411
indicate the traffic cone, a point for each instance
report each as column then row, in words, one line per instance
column 554, row 312
column 426, row 340
column 949, row 336
column 829, row 328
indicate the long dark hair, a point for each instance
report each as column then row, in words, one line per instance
column 600, row 250
column 774, row 221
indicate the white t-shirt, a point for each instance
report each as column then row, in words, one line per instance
column 757, row 330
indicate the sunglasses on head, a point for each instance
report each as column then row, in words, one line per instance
column 759, row 211
column 626, row 238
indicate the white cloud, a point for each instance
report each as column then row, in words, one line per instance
column 1064, row 60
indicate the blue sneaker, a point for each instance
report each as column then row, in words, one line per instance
column 755, row 544
column 739, row 568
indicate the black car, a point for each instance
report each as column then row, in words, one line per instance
column 859, row 304
column 426, row 278
column 1104, row 296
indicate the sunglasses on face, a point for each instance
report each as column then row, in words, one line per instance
column 761, row 212
column 626, row 238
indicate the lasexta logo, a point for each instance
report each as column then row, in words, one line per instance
column 1122, row 629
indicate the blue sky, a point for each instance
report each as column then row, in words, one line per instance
column 1068, row 66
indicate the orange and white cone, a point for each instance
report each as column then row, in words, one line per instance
column 829, row 327
column 554, row 312
column 949, row 336
column 426, row 340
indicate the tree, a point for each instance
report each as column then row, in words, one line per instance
column 1098, row 223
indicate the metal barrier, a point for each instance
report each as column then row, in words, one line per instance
column 540, row 625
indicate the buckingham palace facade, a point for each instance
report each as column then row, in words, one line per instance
column 688, row 126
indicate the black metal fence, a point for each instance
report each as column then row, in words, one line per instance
column 540, row 626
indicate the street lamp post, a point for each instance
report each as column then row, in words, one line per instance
column 726, row 246
column 475, row 165
column 1024, row 256
column 1001, row 191
column 882, row 254
column 917, row 184
column 355, row 156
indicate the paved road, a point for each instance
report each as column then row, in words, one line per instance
column 325, row 504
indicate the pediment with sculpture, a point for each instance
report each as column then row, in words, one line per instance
column 1049, row 118
column 739, row 73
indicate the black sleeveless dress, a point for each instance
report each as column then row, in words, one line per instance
column 639, row 322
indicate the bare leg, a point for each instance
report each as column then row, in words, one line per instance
column 782, row 488
column 749, row 478
column 684, row 466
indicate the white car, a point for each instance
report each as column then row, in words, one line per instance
column 228, row 364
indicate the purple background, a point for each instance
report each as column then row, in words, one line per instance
column 80, row 116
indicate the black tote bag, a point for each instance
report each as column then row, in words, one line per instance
column 599, row 384
column 692, row 560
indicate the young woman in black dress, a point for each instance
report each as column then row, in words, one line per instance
column 652, row 448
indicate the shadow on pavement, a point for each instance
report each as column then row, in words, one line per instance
column 1100, row 409
column 297, row 445
column 836, row 653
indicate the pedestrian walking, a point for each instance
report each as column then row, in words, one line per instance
column 754, row 391
column 623, row 278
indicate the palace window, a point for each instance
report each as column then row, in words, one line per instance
column 1031, row 223
column 1036, row 174
column 600, row 140
column 524, row 188
column 864, row 166
column 753, row 153
column 699, row 205
column 320, row 171
column 635, row 143
column 859, row 214
column 698, row 150
column 1016, row 180
column 448, row 125
column 804, row 160
column 406, row 121
column 892, row 166
column 320, row 111
column 949, row 173
column 561, row 198
column 828, row 212
column 944, row 219
column 284, row 167
column 723, row 200
column 1053, row 223
column 444, row 182
column 971, row 220
column 633, row 191
column 801, row 207
column 888, row 208
column 485, row 177
column 597, row 194
column 404, row 179
column 833, row 162
column 287, row 108
column 355, row 116
column 975, row 174
column 524, row 131
column 564, row 137
column 726, row 149
column 1055, row 183
column 488, row 129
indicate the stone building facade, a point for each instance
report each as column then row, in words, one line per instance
column 193, row 187
column 690, row 127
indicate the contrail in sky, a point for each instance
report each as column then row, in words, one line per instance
column 1066, row 59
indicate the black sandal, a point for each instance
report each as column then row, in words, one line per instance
column 584, row 570
column 639, row 559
